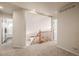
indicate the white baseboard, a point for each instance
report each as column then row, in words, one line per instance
column 68, row 50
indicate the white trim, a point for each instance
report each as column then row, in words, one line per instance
column 68, row 50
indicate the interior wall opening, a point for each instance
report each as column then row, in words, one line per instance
column 38, row 29
column 7, row 28
column 55, row 30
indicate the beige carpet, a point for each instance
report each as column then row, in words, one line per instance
column 44, row 49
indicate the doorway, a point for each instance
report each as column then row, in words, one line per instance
column 7, row 29
column 38, row 29
column 55, row 30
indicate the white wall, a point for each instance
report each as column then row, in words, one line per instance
column 19, row 28
column 68, row 29
column 0, row 28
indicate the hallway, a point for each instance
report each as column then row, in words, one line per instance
column 44, row 49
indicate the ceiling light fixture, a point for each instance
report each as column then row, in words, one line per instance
column 33, row 11
column 1, row 7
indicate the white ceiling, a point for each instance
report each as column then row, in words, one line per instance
column 7, row 7
column 49, row 8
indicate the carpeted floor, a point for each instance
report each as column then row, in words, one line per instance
column 44, row 49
